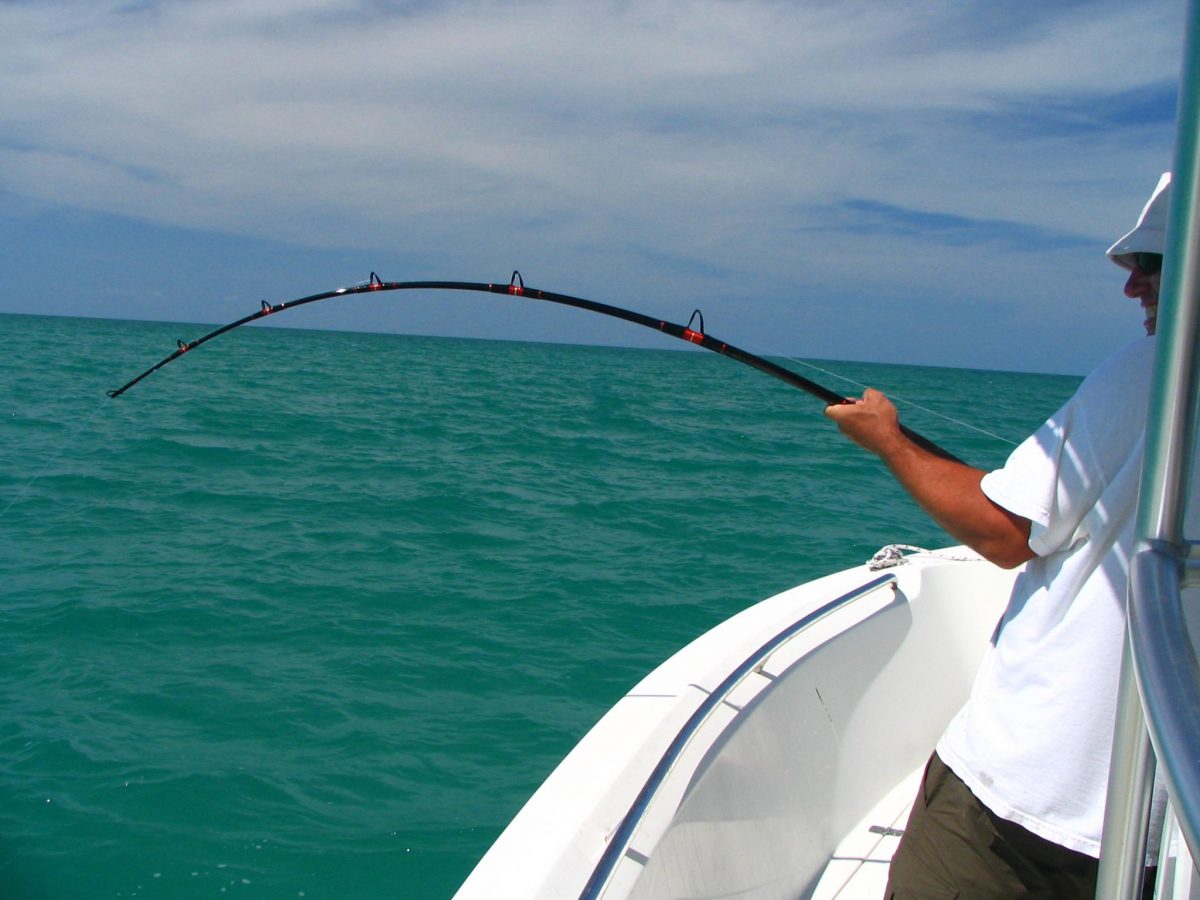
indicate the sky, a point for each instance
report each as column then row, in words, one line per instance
column 902, row 181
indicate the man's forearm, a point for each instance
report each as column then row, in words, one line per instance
column 948, row 491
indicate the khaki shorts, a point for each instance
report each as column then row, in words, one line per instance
column 954, row 846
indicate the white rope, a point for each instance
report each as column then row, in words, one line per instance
column 894, row 555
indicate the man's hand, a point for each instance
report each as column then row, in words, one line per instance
column 949, row 491
column 871, row 422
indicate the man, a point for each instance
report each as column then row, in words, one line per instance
column 1012, row 803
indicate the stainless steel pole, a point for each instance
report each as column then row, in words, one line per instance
column 1165, row 474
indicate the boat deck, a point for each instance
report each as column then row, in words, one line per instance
column 859, row 867
column 763, row 735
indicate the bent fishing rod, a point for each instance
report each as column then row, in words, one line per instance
column 516, row 288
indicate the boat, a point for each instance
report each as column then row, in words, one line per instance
column 777, row 755
column 774, row 756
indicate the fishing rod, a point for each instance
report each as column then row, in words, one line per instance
column 516, row 288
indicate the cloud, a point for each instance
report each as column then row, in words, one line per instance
column 857, row 216
column 601, row 136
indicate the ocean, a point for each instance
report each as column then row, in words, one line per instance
column 311, row 614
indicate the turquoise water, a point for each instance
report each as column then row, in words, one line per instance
column 310, row 614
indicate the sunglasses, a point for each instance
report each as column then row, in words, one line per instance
column 1150, row 263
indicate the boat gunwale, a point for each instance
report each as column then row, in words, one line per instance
column 624, row 833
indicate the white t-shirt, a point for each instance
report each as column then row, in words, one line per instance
column 1034, row 738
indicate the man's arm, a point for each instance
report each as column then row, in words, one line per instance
column 948, row 491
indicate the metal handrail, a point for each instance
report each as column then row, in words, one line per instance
column 1160, row 682
column 1169, row 678
column 633, row 817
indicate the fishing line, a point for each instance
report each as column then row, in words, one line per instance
column 516, row 288
column 902, row 400
column 895, row 398
column 24, row 489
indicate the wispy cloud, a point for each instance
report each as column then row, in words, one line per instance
column 732, row 138
column 868, row 217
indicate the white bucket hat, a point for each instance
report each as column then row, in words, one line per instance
column 1149, row 235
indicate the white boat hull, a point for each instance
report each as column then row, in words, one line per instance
column 754, row 762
